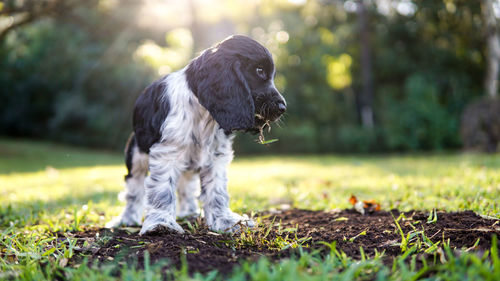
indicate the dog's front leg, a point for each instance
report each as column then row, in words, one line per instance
column 215, row 198
column 160, row 188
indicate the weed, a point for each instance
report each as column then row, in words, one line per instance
column 432, row 216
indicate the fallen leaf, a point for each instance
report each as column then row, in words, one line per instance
column 353, row 200
column 371, row 205
column 365, row 206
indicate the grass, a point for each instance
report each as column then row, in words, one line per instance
column 47, row 187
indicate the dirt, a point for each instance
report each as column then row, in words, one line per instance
column 203, row 251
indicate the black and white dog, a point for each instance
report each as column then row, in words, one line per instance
column 183, row 132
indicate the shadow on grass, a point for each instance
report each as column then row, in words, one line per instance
column 32, row 212
column 32, row 156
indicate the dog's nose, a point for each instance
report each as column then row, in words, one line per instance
column 281, row 108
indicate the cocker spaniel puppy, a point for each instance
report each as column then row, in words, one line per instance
column 183, row 132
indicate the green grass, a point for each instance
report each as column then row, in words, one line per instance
column 46, row 187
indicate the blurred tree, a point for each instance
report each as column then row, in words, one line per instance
column 195, row 28
column 480, row 127
column 493, row 53
column 366, row 94
column 431, row 42
column 74, row 76
column 22, row 12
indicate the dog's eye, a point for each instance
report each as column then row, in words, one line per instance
column 260, row 72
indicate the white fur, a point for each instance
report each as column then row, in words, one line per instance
column 133, row 193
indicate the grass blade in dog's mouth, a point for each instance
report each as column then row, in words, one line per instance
column 269, row 141
column 262, row 139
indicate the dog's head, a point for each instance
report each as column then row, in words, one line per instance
column 234, row 81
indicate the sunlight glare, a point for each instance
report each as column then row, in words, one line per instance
column 282, row 36
column 297, row 2
column 172, row 57
column 406, row 8
column 338, row 70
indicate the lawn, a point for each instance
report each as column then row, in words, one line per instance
column 47, row 190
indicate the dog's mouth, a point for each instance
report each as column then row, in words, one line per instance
column 263, row 124
column 261, row 121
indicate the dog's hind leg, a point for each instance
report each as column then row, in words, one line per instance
column 165, row 169
column 137, row 166
column 188, row 189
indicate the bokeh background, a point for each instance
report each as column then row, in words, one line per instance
column 358, row 76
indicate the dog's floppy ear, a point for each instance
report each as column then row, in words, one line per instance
column 222, row 89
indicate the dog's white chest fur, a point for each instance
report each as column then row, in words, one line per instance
column 190, row 128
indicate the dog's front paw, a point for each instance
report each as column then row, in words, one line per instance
column 231, row 222
column 154, row 224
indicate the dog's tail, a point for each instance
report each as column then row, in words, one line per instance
column 136, row 161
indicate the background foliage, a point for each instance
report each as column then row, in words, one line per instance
column 73, row 76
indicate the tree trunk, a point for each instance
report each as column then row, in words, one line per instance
column 493, row 52
column 366, row 97
column 196, row 29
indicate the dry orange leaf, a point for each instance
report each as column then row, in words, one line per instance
column 353, row 200
column 369, row 205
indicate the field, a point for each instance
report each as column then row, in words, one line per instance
column 54, row 200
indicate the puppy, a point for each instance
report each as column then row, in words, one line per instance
column 184, row 125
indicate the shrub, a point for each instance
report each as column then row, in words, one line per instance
column 418, row 121
column 480, row 127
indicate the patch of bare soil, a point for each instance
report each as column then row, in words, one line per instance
column 204, row 250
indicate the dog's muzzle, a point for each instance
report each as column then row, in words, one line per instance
column 277, row 105
column 269, row 108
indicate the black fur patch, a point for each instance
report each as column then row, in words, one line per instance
column 217, row 79
column 129, row 155
column 151, row 110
